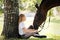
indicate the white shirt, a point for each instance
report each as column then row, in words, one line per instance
column 21, row 26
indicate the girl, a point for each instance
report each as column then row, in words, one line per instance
column 25, row 33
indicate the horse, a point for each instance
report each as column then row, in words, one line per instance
column 41, row 13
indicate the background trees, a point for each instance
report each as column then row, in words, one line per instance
column 1, row 6
column 25, row 5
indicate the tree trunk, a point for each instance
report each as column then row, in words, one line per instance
column 11, row 13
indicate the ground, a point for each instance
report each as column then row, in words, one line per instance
column 52, row 31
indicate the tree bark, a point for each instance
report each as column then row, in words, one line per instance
column 11, row 13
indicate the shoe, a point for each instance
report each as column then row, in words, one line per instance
column 39, row 36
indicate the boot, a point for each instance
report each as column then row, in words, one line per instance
column 39, row 36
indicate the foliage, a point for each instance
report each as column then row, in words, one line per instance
column 1, row 5
column 58, row 8
column 24, row 5
column 50, row 12
column 28, row 4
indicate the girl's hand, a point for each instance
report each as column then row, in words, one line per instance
column 35, row 31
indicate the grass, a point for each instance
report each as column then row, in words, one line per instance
column 26, row 39
column 51, row 31
column 2, row 38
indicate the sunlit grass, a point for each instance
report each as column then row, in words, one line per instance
column 1, row 23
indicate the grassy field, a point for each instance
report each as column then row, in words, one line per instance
column 53, row 31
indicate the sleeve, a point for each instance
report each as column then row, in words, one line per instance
column 21, row 25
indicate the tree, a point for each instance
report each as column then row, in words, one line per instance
column 11, row 12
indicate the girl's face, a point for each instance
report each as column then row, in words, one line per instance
column 23, row 18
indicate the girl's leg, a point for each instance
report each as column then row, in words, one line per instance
column 27, row 35
column 31, row 27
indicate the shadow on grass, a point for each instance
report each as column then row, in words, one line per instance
column 2, row 38
column 28, row 39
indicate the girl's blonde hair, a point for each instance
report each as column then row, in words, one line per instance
column 20, row 17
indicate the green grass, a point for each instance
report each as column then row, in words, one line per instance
column 26, row 39
column 2, row 38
